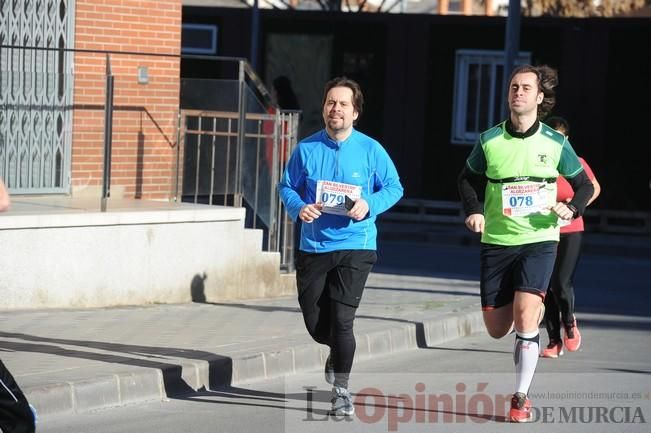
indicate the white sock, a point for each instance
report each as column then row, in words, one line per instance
column 525, row 356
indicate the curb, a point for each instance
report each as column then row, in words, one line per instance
column 146, row 385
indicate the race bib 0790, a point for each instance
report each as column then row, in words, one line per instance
column 333, row 195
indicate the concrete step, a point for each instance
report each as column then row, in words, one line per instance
column 72, row 255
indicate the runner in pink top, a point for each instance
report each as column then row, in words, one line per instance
column 559, row 302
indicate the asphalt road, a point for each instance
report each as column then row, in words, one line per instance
column 458, row 387
column 606, row 374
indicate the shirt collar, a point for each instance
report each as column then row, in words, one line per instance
column 528, row 133
column 335, row 143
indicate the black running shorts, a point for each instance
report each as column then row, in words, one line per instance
column 507, row 269
column 341, row 274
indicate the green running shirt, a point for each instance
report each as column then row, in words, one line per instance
column 516, row 211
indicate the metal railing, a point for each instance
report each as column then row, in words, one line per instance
column 231, row 141
column 223, row 168
column 235, row 142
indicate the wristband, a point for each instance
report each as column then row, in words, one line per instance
column 575, row 211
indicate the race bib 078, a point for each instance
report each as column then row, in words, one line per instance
column 524, row 199
column 333, row 195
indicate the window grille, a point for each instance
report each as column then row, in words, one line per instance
column 478, row 93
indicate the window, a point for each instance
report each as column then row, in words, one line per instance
column 478, row 93
column 199, row 39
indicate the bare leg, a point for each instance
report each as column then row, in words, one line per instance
column 499, row 321
column 526, row 311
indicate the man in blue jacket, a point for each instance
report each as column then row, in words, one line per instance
column 337, row 182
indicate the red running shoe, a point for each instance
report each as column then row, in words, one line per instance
column 520, row 408
column 553, row 350
column 572, row 337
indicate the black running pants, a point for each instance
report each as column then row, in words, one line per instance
column 15, row 413
column 559, row 301
column 330, row 287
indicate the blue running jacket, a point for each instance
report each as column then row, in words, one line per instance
column 359, row 160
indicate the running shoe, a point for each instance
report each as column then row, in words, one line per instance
column 572, row 337
column 329, row 370
column 520, row 408
column 553, row 350
column 342, row 402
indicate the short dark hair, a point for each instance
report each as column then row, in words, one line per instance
column 358, row 96
column 557, row 122
column 547, row 80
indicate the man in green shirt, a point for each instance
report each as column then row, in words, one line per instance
column 514, row 165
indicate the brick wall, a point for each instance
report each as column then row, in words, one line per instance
column 144, row 152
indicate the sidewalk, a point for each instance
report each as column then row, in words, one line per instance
column 71, row 361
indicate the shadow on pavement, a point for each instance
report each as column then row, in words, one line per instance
column 366, row 400
column 220, row 367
